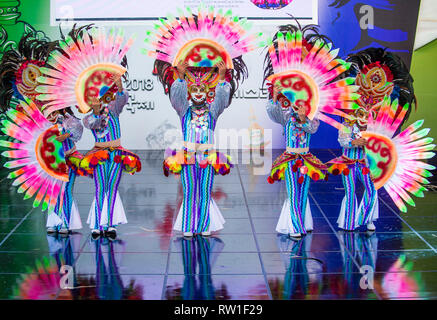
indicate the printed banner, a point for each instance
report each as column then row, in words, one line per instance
column 135, row 11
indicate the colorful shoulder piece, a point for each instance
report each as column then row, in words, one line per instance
column 307, row 73
column 83, row 70
column 394, row 161
column 39, row 162
column 202, row 40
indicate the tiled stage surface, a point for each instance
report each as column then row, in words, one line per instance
column 246, row 260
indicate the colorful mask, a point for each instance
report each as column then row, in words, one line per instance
column 201, row 84
column 198, row 93
column 375, row 83
column 26, row 78
column 359, row 116
column 53, row 117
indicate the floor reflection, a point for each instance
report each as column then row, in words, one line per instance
column 43, row 279
column 198, row 255
column 401, row 282
column 107, row 283
column 149, row 261
column 303, row 275
column 359, row 252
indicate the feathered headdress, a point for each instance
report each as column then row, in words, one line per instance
column 20, row 68
column 84, row 66
column 380, row 73
column 304, row 64
column 202, row 40
column 39, row 163
column 394, row 161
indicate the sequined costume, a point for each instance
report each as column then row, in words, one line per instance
column 301, row 71
column 199, row 212
column 201, row 43
column 107, row 160
column 352, row 165
column 297, row 166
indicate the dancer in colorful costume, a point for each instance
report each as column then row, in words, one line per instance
column 378, row 74
column 90, row 75
column 21, row 69
column 300, row 69
column 197, row 44
column 109, row 159
column 66, row 216
column 352, row 164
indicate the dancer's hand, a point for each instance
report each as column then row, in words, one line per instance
column 116, row 77
column 182, row 68
column 95, row 105
column 62, row 137
column 360, row 142
column 276, row 90
column 302, row 113
column 221, row 70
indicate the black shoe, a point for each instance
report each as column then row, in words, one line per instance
column 95, row 234
column 111, row 233
column 51, row 230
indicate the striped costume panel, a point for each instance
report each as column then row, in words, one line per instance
column 352, row 221
column 354, row 153
column 197, row 184
column 107, row 178
column 296, row 192
column 67, row 202
column 189, row 205
column 112, row 130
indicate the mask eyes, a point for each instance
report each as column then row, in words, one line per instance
column 211, row 94
column 107, row 98
column 30, row 74
column 285, row 103
column 202, row 90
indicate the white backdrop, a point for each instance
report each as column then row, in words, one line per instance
column 149, row 122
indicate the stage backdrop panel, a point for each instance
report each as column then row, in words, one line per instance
column 134, row 11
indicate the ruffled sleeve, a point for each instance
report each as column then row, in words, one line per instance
column 74, row 127
column 345, row 137
column 221, row 100
column 310, row 126
column 121, row 99
column 275, row 112
column 92, row 121
column 178, row 96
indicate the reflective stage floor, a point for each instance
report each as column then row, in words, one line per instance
column 246, row 260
